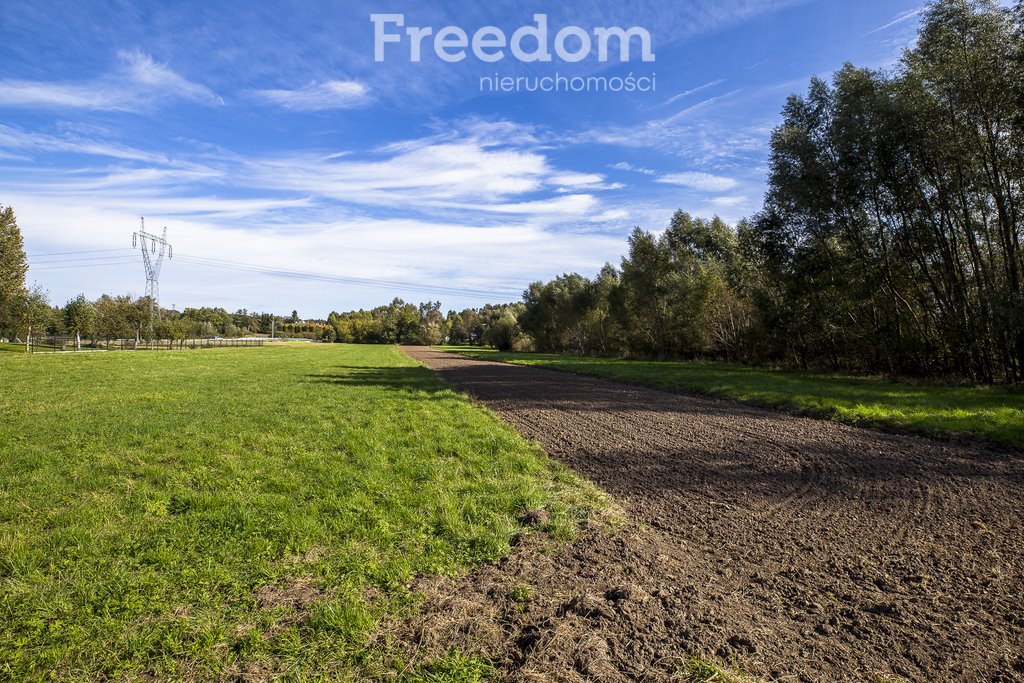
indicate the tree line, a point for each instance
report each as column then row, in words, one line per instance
column 889, row 241
column 424, row 324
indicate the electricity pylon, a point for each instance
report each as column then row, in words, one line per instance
column 153, row 250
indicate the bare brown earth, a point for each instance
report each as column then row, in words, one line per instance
column 789, row 548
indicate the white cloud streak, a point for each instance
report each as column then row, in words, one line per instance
column 898, row 19
column 625, row 166
column 16, row 138
column 138, row 82
column 704, row 182
column 319, row 96
column 694, row 91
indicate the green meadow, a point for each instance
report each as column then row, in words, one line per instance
column 244, row 512
column 993, row 414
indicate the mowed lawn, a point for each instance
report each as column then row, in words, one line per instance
column 995, row 414
column 243, row 512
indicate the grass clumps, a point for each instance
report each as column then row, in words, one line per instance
column 453, row 668
column 698, row 670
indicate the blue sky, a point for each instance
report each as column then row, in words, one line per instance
column 266, row 134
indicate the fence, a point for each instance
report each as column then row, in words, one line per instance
column 56, row 344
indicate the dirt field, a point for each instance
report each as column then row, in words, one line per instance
column 788, row 548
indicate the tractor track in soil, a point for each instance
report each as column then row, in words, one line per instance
column 791, row 548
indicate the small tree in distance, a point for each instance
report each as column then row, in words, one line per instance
column 34, row 313
column 80, row 318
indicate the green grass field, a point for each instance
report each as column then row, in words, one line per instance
column 201, row 514
column 995, row 414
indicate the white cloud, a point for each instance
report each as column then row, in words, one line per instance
column 36, row 93
column 137, row 83
column 579, row 205
column 433, row 175
column 577, row 179
column 612, row 215
column 16, row 138
column 694, row 91
column 624, row 166
column 729, row 202
column 723, row 146
column 428, row 172
column 490, row 133
column 703, row 104
column 704, row 182
column 898, row 19
column 160, row 79
column 569, row 182
column 319, row 96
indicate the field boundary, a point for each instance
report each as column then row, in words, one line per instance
column 831, row 414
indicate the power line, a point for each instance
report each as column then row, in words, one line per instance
column 70, row 253
column 374, row 283
column 73, row 260
column 85, row 265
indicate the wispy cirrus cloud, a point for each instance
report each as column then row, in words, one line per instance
column 14, row 138
column 469, row 165
column 729, row 202
column 431, row 171
column 715, row 131
column 898, row 19
column 704, row 182
column 703, row 104
column 694, row 91
column 319, row 96
column 156, row 77
column 463, row 174
column 578, row 179
column 138, row 82
column 625, row 166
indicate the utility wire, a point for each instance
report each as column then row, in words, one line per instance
column 86, row 265
column 73, row 260
column 70, row 253
column 121, row 260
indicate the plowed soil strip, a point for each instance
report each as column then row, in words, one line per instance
column 792, row 548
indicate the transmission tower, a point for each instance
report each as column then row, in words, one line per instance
column 153, row 250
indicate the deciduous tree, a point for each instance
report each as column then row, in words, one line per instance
column 13, row 268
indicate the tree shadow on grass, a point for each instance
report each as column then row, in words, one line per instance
column 411, row 379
